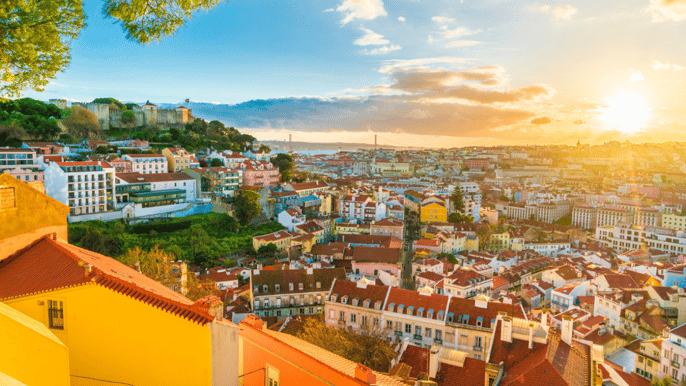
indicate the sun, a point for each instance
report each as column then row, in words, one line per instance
column 626, row 111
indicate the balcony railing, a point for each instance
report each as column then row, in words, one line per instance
column 438, row 341
column 418, row 336
column 675, row 364
column 477, row 348
column 398, row 333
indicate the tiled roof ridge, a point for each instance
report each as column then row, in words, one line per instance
column 129, row 289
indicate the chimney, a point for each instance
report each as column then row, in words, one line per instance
column 567, row 323
column 255, row 321
column 531, row 336
column 310, row 271
column 365, row 374
column 255, row 272
column 506, row 329
column 433, row 361
column 544, row 316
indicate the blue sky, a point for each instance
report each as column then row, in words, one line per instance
column 436, row 73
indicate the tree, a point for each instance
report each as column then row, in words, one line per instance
column 484, row 232
column 457, row 218
column 35, row 34
column 109, row 101
column 457, row 199
column 368, row 348
column 449, row 256
column 203, row 247
column 102, row 150
column 286, row 164
column 266, row 148
column 34, row 39
column 82, row 123
column 128, row 117
column 266, row 249
column 216, row 162
column 247, row 206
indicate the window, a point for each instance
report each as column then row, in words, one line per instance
column 265, row 288
column 319, row 284
column 300, row 286
column 277, row 288
column 477, row 341
column 364, row 319
column 427, row 332
column 389, row 324
column 640, row 359
column 408, row 328
column 56, row 314
column 353, row 318
column 272, row 377
column 290, row 286
column 439, row 334
column 331, row 314
column 418, row 330
column 7, row 200
column 341, row 315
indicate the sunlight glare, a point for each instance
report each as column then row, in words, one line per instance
column 626, row 111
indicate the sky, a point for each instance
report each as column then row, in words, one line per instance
column 413, row 72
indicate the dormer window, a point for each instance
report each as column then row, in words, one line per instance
column 355, row 301
column 420, row 312
column 430, row 314
column 479, row 321
column 451, row 316
column 344, row 299
column 366, row 303
column 319, row 284
column 290, row 286
column 377, row 305
column 333, row 297
column 300, row 286
column 410, row 310
column 265, row 288
column 440, row 315
column 401, row 308
column 257, row 289
column 277, row 288
column 391, row 306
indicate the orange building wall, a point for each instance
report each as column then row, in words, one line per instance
column 296, row 368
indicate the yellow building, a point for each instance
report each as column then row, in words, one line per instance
column 674, row 221
column 119, row 326
column 499, row 242
column 472, row 243
column 31, row 354
column 434, row 211
column 282, row 240
column 27, row 214
column 178, row 159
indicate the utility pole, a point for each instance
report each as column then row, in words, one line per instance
column 290, row 142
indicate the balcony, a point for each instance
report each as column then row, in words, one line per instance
column 418, row 337
column 477, row 348
column 438, row 341
column 398, row 333
column 675, row 364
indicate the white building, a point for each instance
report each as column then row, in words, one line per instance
column 86, row 187
column 147, row 163
column 673, row 362
column 623, row 237
column 290, row 218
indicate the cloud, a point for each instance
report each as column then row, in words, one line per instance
column 400, row 18
column 579, row 122
column 461, row 43
column 539, row 8
column 663, row 10
column 370, row 38
column 656, row 65
column 329, row 10
column 361, row 9
column 541, row 121
column 381, row 50
column 635, row 76
column 560, row 12
column 430, row 39
column 442, row 19
column 457, row 32
column 564, row 12
column 394, row 64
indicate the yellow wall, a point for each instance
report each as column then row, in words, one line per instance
column 30, row 353
column 472, row 244
column 116, row 338
column 434, row 212
column 35, row 215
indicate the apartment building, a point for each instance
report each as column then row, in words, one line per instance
column 147, row 163
column 120, row 165
column 12, row 158
column 467, row 283
column 362, row 208
column 673, row 360
column 648, row 217
column 216, row 181
column 230, row 159
column 153, row 190
column 86, row 187
column 283, row 293
column 259, row 173
column 178, row 159
column 584, row 216
column 610, row 216
column 623, row 237
column 388, row 227
column 674, row 221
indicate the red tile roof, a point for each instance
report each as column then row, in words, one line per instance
column 376, row 254
column 373, row 293
column 47, row 265
column 408, row 298
column 137, row 178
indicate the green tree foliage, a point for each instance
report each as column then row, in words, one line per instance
column 96, row 242
column 456, row 199
column 204, row 248
column 34, row 41
column 268, row 249
column 266, row 148
column 286, row 164
column 110, row 101
column 37, row 120
column 216, row 162
column 82, row 124
column 247, row 206
column 11, row 134
column 457, row 218
column 67, row 139
column 128, row 117
column 566, row 221
column 449, row 256
column 102, row 150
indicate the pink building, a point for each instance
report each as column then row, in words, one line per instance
column 45, row 147
column 120, row 165
column 147, row 163
column 259, row 173
column 26, row 175
column 388, row 227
